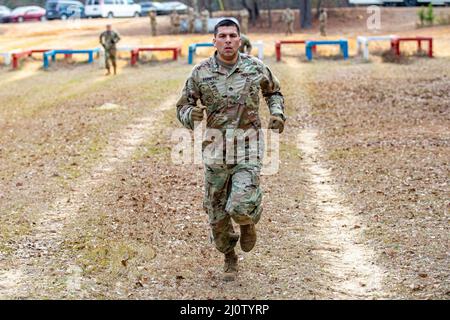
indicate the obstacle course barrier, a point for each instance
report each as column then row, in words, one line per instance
column 260, row 46
column 124, row 48
column 193, row 49
column 17, row 56
column 395, row 44
column 135, row 52
column 363, row 43
column 342, row 43
column 281, row 42
column 8, row 55
column 53, row 53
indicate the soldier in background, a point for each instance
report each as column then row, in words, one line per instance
column 175, row 22
column 152, row 15
column 246, row 45
column 288, row 18
column 108, row 40
column 205, row 17
column 191, row 20
column 244, row 20
column 323, row 18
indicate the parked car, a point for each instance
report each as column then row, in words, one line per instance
column 163, row 7
column 148, row 6
column 25, row 13
column 4, row 11
column 112, row 8
column 63, row 9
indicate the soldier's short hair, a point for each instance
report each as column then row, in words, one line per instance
column 226, row 23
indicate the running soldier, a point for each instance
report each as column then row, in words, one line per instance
column 228, row 85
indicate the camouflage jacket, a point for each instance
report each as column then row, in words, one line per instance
column 108, row 39
column 222, row 92
column 246, row 45
column 288, row 16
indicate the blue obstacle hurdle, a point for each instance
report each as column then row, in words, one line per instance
column 343, row 43
column 53, row 53
column 193, row 48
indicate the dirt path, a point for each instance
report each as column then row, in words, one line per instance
column 338, row 233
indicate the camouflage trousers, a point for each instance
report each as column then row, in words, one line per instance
column 205, row 26
column 175, row 28
column 191, row 26
column 110, row 54
column 232, row 192
column 323, row 31
column 290, row 27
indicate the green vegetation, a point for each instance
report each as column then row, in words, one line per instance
column 429, row 16
column 426, row 16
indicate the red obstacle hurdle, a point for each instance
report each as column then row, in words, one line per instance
column 280, row 42
column 28, row 53
column 19, row 55
column 395, row 44
column 135, row 52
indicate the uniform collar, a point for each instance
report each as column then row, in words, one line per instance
column 216, row 67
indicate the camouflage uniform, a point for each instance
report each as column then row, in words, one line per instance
column 323, row 22
column 288, row 18
column 205, row 17
column 231, row 190
column 246, row 45
column 152, row 15
column 175, row 22
column 244, row 20
column 108, row 40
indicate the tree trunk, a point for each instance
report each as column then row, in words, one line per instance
column 319, row 4
column 269, row 9
column 305, row 14
column 250, row 11
column 255, row 11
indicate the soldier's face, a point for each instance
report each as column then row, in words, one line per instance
column 227, row 42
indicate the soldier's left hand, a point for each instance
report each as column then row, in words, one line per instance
column 276, row 123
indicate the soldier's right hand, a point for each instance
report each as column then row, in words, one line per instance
column 197, row 114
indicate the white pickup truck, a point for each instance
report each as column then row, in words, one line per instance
column 112, row 8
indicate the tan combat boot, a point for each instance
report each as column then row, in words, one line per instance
column 231, row 266
column 248, row 237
